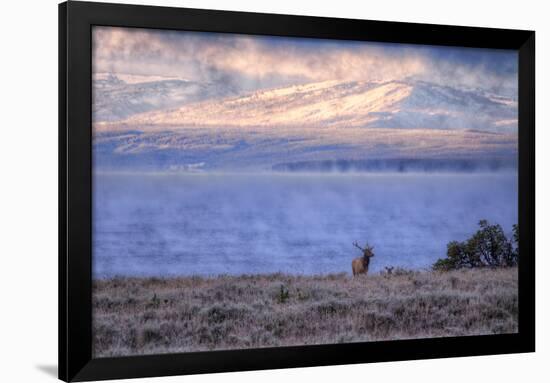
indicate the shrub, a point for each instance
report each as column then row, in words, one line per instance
column 489, row 246
column 515, row 239
column 397, row 271
column 284, row 294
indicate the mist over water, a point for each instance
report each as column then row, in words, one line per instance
column 210, row 224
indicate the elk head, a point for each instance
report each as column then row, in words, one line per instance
column 367, row 250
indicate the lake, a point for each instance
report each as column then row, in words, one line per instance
column 210, row 224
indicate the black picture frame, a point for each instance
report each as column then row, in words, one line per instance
column 75, row 190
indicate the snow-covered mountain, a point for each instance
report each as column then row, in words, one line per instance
column 314, row 122
column 119, row 96
column 332, row 104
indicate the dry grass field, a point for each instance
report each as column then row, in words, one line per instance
column 150, row 315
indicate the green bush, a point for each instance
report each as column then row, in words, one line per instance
column 489, row 246
column 284, row 294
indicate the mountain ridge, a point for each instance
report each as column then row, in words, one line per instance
column 324, row 121
column 334, row 104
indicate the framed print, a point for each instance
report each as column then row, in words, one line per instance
column 246, row 191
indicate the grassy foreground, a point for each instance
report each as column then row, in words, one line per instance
column 151, row 315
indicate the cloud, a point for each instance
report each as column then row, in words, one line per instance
column 247, row 62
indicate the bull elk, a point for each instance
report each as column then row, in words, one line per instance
column 361, row 265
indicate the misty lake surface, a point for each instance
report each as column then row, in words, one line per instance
column 211, row 224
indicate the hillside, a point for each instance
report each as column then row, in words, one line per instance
column 394, row 104
column 314, row 122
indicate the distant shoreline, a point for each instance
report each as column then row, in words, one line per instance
column 402, row 165
column 136, row 316
column 373, row 166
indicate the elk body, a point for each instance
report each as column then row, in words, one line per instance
column 361, row 265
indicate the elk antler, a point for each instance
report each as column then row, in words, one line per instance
column 357, row 245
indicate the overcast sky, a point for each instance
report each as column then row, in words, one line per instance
column 254, row 62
